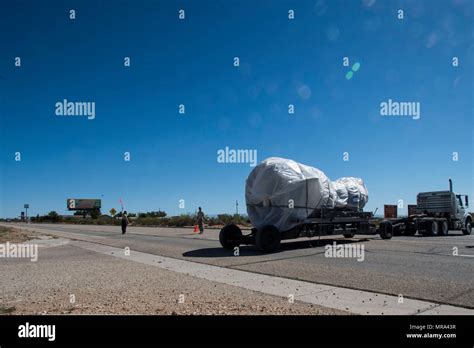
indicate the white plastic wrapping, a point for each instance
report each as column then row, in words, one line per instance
column 352, row 193
column 282, row 192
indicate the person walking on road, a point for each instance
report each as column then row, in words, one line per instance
column 200, row 220
column 125, row 222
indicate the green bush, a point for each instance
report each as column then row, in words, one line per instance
column 155, row 214
column 147, row 221
column 182, row 220
column 176, row 221
column 51, row 217
column 224, row 219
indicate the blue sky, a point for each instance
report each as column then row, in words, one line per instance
column 190, row 62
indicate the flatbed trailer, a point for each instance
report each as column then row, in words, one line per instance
column 320, row 223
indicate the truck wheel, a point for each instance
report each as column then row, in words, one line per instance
column 268, row 239
column 230, row 236
column 348, row 235
column 386, row 230
column 432, row 228
column 429, row 228
column 468, row 228
column 443, row 228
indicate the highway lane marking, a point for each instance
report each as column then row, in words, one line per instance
column 350, row 300
column 440, row 242
column 375, row 251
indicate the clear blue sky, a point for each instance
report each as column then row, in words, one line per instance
column 174, row 156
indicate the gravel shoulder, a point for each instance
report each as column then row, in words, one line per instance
column 12, row 235
column 70, row 280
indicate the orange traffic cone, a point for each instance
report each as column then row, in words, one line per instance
column 196, row 228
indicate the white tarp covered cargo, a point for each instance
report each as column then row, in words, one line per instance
column 282, row 192
column 351, row 192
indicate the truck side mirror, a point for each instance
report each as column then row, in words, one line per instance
column 466, row 200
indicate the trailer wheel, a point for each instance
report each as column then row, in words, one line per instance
column 268, row 239
column 386, row 230
column 443, row 228
column 468, row 228
column 230, row 236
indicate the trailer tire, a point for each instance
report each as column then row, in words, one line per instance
column 467, row 231
column 230, row 236
column 443, row 228
column 268, row 239
column 386, row 230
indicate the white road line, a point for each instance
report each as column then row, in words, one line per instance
column 439, row 242
column 354, row 301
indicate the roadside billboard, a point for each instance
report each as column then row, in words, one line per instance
column 83, row 204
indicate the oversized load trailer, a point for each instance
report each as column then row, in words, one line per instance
column 287, row 200
column 436, row 213
column 283, row 193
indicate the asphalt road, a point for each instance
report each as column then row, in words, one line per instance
column 415, row 267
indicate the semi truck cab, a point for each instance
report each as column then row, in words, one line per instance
column 439, row 210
